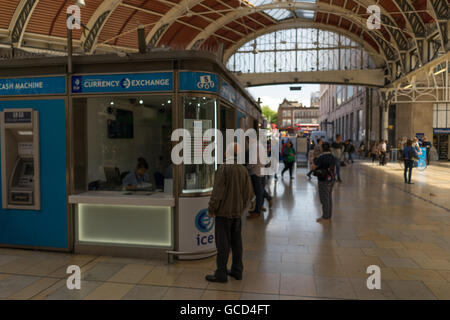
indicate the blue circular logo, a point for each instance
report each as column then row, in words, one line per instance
column 203, row 221
column 126, row 83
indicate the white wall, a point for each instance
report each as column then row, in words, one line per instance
column 122, row 153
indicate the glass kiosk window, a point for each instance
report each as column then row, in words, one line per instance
column 120, row 133
column 199, row 178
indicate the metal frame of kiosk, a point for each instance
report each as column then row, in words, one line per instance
column 20, row 158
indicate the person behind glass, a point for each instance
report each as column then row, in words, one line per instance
column 289, row 159
column 325, row 164
column 137, row 177
column 409, row 153
column 316, row 153
column 337, row 148
column 427, row 144
column 231, row 196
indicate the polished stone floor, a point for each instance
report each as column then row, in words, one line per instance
column 378, row 220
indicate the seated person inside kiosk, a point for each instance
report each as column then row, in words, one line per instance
column 138, row 179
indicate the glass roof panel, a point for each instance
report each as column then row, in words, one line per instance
column 279, row 14
column 305, row 14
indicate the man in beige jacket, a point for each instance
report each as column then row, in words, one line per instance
column 231, row 196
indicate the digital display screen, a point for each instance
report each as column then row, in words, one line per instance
column 29, row 170
column 122, row 127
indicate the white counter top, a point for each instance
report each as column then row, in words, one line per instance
column 139, row 198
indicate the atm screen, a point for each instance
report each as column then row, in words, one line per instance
column 29, row 170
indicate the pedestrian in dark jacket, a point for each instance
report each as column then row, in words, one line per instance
column 231, row 196
column 325, row 168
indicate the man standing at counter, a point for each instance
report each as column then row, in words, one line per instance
column 230, row 197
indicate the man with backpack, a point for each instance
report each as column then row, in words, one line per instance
column 324, row 170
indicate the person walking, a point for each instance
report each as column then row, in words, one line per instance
column 258, row 184
column 409, row 154
column 427, row 144
column 325, row 168
column 316, row 153
column 351, row 150
column 337, row 147
column 231, row 196
column 289, row 159
column 382, row 148
column 374, row 151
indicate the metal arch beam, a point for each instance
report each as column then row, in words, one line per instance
column 380, row 60
column 400, row 41
column 373, row 77
column 415, row 23
column 96, row 24
column 169, row 18
column 412, row 17
column 20, row 20
column 441, row 14
column 243, row 11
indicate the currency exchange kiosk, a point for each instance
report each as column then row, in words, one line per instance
column 20, row 159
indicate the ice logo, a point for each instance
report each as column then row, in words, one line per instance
column 126, row 83
column 203, row 221
column 205, row 83
column 76, row 84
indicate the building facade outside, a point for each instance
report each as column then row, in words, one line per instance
column 352, row 111
column 293, row 114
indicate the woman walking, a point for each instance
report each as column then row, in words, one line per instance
column 289, row 159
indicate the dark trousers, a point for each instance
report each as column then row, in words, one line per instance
column 338, row 168
column 287, row 166
column 409, row 164
column 266, row 195
column 428, row 157
column 383, row 158
column 350, row 157
column 325, row 196
column 259, row 192
column 228, row 237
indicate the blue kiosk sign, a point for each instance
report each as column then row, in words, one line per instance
column 123, row 83
column 33, row 86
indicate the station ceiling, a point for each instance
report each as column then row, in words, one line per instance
column 210, row 24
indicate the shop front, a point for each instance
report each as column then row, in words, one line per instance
column 441, row 130
column 107, row 180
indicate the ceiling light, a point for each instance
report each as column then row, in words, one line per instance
column 80, row 3
column 141, row 101
column 440, row 71
column 111, row 103
column 408, row 86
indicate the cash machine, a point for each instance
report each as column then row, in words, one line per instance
column 20, row 159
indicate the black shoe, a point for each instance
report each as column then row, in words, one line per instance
column 213, row 278
column 410, row 182
column 231, row 274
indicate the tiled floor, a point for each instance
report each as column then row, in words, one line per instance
column 404, row 229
